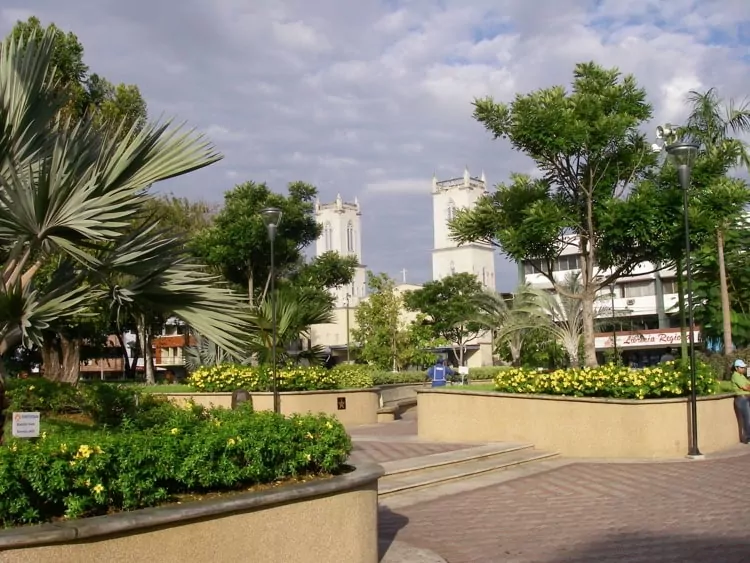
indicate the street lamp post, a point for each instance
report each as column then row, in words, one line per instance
column 272, row 218
column 348, row 355
column 614, row 325
column 683, row 155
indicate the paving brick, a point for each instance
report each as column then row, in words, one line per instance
column 636, row 513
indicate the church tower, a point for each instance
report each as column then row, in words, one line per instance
column 342, row 228
column 448, row 258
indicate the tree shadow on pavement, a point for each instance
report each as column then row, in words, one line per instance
column 648, row 548
column 389, row 524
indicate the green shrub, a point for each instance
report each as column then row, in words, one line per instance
column 229, row 377
column 353, row 376
column 721, row 364
column 485, row 373
column 39, row 394
column 391, row 377
column 670, row 379
column 109, row 404
column 73, row 475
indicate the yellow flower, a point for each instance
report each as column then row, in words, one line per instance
column 328, row 424
column 98, row 489
column 88, row 483
column 44, row 435
column 84, row 452
column 31, row 387
column 230, row 442
column 175, row 431
column 13, row 448
column 308, row 457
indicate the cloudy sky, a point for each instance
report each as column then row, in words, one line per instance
column 370, row 97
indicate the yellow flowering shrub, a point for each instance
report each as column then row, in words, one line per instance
column 228, row 377
column 670, row 379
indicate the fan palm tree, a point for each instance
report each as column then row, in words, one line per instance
column 72, row 190
column 296, row 312
column 711, row 124
column 502, row 316
column 559, row 315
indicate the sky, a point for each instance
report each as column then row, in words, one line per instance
column 370, row 98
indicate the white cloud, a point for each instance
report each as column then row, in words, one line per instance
column 370, row 98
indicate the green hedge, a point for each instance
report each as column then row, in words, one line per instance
column 163, row 452
column 670, row 379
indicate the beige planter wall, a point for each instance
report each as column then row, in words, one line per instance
column 587, row 428
column 361, row 404
column 337, row 525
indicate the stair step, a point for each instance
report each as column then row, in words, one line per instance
column 396, row 483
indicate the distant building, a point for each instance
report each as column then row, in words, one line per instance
column 645, row 314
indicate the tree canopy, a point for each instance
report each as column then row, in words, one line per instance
column 587, row 145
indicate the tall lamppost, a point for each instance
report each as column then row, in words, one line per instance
column 614, row 324
column 348, row 355
column 272, row 217
column 683, row 156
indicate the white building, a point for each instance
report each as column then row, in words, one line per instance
column 447, row 257
column 342, row 232
column 645, row 313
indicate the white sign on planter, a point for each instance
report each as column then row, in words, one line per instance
column 26, row 424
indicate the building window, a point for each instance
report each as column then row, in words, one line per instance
column 639, row 289
column 669, row 287
column 451, row 210
column 532, row 267
column 566, row 263
column 350, row 237
column 328, row 236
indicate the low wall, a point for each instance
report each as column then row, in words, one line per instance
column 578, row 427
column 353, row 407
column 395, row 393
column 333, row 520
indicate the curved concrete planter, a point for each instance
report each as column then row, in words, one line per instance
column 353, row 407
column 578, row 427
column 334, row 520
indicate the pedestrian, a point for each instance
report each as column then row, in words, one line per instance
column 668, row 356
column 439, row 373
column 742, row 397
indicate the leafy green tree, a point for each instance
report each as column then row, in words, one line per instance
column 379, row 326
column 450, row 307
column 237, row 243
column 77, row 207
column 587, row 144
column 313, row 279
column 120, row 106
column 711, row 124
column 418, row 344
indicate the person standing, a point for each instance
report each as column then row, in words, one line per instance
column 439, row 373
column 742, row 397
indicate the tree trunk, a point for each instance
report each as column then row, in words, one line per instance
column 70, row 365
column 515, row 345
column 587, row 316
column 250, row 287
column 683, row 312
column 128, row 368
column 726, row 310
column 50, row 357
column 144, row 341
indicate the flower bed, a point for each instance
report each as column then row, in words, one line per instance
column 665, row 380
column 156, row 452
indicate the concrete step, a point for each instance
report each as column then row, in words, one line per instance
column 436, row 469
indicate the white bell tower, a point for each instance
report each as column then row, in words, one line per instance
column 448, row 258
column 342, row 228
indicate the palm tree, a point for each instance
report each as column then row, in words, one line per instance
column 296, row 312
column 710, row 125
column 71, row 190
column 502, row 316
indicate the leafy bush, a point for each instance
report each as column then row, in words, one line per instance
column 391, row 377
column 353, row 376
column 109, row 404
column 74, row 475
column 670, row 379
column 722, row 364
column 229, row 377
column 42, row 395
column 485, row 373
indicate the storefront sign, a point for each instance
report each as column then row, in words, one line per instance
column 643, row 340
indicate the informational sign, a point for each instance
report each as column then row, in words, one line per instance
column 463, row 370
column 26, row 424
column 645, row 339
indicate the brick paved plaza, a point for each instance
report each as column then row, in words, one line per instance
column 665, row 512
column 583, row 512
